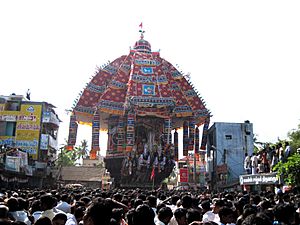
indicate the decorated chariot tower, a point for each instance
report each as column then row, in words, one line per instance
column 141, row 100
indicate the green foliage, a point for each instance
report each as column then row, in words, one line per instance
column 289, row 170
column 82, row 150
column 294, row 136
column 70, row 157
column 66, row 157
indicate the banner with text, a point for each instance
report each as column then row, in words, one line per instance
column 184, row 175
column 269, row 178
column 28, row 128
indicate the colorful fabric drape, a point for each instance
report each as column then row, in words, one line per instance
column 121, row 134
column 96, row 131
column 204, row 134
column 185, row 138
column 112, row 138
column 191, row 134
column 197, row 143
column 109, row 140
column 167, row 131
column 130, row 131
column 176, row 145
column 73, row 126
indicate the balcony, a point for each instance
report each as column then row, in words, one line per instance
column 50, row 117
column 48, row 141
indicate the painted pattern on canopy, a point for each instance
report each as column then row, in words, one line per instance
column 144, row 82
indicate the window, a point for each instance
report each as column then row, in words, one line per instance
column 12, row 106
column 228, row 137
column 2, row 128
column 10, row 129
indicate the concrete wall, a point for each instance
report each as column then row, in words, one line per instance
column 230, row 142
column 81, row 173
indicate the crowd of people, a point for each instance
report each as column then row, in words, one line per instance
column 86, row 206
column 265, row 160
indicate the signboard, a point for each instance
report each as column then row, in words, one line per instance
column 28, row 128
column 28, row 170
column 8, row 118
column 12, row 163
column 269, row 178
column 46, row 117
column 23, row 159
column 7, row 140
column 184, row 175
column 44, row 142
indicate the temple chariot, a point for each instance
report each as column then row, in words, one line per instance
column 141, row 100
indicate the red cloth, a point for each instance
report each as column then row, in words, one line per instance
column 152, row 174
column 184, row 175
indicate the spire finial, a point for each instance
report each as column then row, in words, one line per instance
column 141, row 30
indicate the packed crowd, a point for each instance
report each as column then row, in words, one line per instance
column 144, row 207
column 266, row 159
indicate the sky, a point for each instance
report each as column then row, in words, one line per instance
column 243, row 56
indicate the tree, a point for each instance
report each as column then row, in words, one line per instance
column 82, row 150
column 70, row 157
column 66, row 157
column 290, row 170
column 294, row 136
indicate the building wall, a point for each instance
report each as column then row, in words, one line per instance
column 231, row 141
column 21, row 125
column 22, row 128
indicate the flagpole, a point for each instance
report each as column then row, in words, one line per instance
column 153, row 183
column 152, row 176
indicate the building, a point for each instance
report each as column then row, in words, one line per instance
column 91, row 174
column 28, row 136
column 227, row 144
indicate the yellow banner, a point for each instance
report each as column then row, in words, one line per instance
column 28, row 128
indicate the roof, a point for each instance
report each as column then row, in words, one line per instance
column 142, row 81
column 80, row 173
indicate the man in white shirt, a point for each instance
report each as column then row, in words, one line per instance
column 214, row 214
column 287, row 151
column 208, row 215
column 247, row 163
column 63, row 205
column 47, row 203
column 254, row 163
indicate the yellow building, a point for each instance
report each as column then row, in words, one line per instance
column 29, row 126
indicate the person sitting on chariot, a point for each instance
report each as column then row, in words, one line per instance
column 163, row 163
column 155, row 162
column 148, row 161
column 140, row 162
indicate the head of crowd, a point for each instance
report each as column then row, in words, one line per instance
column 82, row 205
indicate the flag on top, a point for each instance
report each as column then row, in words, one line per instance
column 141, row 30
